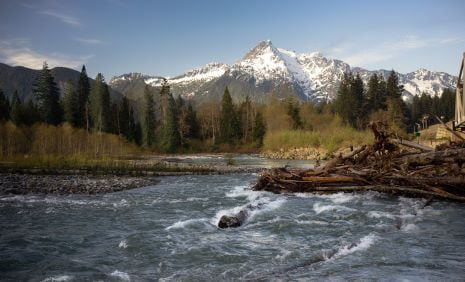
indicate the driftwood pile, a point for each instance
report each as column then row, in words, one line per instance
column 389, row 165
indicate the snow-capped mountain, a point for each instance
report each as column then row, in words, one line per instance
column 266, row 68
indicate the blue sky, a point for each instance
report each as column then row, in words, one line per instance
column 170, row 37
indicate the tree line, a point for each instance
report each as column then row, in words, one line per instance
column 165, row 124
column 381, row 99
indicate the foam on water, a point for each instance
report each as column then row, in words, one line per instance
column 267, row 203
column 319, row 208
column 337, row 198
column 312, row 222
column 243, row 191
column 363, row 244
column 379, row 214
column 51, row 200
column 60, row 278
column 409, row 227
column 341, row 197
column 184, row 223
column 123, row 244
column 121, row 275
column 120, row 204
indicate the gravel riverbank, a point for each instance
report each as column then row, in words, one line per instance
column 20, row 184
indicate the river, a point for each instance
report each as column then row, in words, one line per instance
column 168, row 232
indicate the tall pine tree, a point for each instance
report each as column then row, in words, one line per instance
column 148, row 119
column 71, row 105
column 170, row 139
column 100, row 104
column 229, row 121
column 193, row 128
column 83, row 94
column 345, row 100
column 359, row 103
column 4, row 107
column 396, row 108
column 47, row 95
column 259, row 129
column 16, row 114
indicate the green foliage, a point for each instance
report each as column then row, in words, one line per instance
column 393, row 88
column 345, row 104
column 293, row 111
column 259, row 129
column 170, row 138
column 71, row 105
column 100, row 105
column 230, row 127
column 359, row 107
column 83, row 92
column 376, row 94
column 4, row 107
column 47, row 95
column 148, row 120
column 329, row 140
column 192, row 123
column 17, row 116
column 126, row 119
column 423, row 108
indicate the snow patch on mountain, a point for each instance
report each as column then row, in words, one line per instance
column 315, row 75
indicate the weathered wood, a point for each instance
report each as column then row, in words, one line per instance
column 449, row 129
column 380, row 167
column 328, row 179
column 413, row 145
column 433, row 157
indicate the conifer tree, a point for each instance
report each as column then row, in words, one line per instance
column 396, row 108
column 133, row 134
column 182, row 112
column 293, row 111
column 4, row 107
column 83, row 94
column 192, row 123
column 100, row 104
column 259, row 129
column 30, row 113
column 170, row 138
column 345, row 100
column 148, row 120
column 71, row 105
column 229, row 130
column 393, row 88
column 16, row 114
column 47, row 96
column 246, row 113
column 124, row 112
column 447, row 104
column 359, row 103
column 376, row 94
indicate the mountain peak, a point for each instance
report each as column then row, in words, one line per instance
column 262, row 47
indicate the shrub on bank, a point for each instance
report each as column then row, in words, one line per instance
column 330, row 139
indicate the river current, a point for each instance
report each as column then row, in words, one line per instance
column 168, row 232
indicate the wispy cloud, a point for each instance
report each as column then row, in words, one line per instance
column 62, row 17
column 391, row 49
column 67, row 19
column 17, row 52
column 90, row 41
column 452, row 39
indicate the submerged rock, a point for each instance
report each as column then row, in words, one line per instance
column 231, row 221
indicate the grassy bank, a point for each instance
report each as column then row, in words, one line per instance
column 82, row 164
column 329, row 140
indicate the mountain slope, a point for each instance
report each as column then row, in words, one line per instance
column 266, row 68
column 22, row 79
